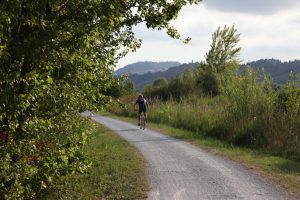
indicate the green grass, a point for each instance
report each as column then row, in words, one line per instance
column 117, row 171
column 281, row 171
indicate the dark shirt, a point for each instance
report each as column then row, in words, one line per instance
column 142, row 104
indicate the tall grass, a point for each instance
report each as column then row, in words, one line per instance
column 199, row 115
column 261, row 116
column 250, row 112
column 196, row 114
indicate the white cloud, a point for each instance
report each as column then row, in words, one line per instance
column 141, row 31
column 263, row 7
column 275, row 34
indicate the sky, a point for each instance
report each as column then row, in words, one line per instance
column 267, row 28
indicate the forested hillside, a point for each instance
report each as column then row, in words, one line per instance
column 278, row 70
column 140, row 80
column 145, row 67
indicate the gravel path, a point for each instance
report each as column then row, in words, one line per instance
column 178, row 170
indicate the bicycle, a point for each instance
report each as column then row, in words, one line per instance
column 142, row 121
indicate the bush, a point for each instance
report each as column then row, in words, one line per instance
column 250, row 108
column 30, row 165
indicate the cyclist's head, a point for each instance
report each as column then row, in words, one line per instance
column 140, row 96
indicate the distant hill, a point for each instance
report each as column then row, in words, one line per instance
column 141, row 80
column 146, row 67
column 278, row 70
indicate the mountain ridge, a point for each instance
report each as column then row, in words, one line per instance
column 143, row 67
column 141, row 80
column 278, row 70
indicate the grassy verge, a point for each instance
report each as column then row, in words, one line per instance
column 117, row 171
column 283, row 172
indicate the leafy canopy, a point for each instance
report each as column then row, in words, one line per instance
column 223, row 51
column 221, row 61
column 55, row 61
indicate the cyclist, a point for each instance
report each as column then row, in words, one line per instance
column 143, row 105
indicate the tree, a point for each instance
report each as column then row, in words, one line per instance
column 119, row 86
column 188, row 80
column 223, row 50
column 55, row 57
column 206, row 80
column 221, row 60
column 159, row 89
column 161, row 82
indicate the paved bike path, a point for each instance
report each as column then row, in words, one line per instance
column 180, row 171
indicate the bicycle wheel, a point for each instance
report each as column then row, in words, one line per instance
column 142, row 121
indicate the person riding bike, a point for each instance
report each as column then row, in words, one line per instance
column 143, row 105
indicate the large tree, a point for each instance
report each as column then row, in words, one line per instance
column 224, row 51
column 221, row 60
column 55, row 57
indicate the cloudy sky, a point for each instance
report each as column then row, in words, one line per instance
column 268, row 28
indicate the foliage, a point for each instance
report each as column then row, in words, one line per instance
column 175, row 88
column 251, row 105
column 159, row 89
column 223, row 49
column 33, row 163
column 221, row 65
column 120, row 86
column 161, row 82
column 55, row 59
column 288, row 105
column 206, row 80
column 221, row 61
column 250, row 113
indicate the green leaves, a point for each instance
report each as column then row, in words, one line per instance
column 221, row 61
column 56, row 60
column 49, row 80
column 223, row 49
